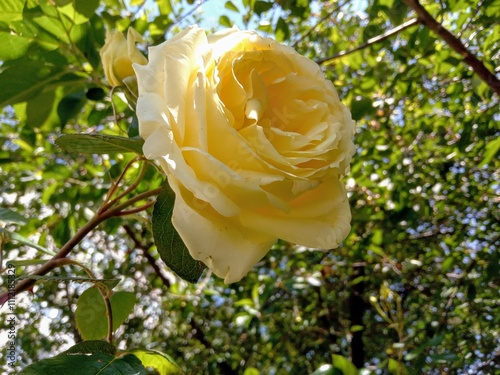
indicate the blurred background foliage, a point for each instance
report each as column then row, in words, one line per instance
column 413, row 289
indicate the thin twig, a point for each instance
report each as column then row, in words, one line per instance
column 456, row 44
column 323, row 19
column 145, row 251
column 371, row 41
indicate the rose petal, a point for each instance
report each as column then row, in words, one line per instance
column 227, row 248
column 318, row 218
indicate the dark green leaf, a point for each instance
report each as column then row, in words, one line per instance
column 87, row 358
column 262, row 6
column 99, row 144
column 95, row 93
column 170, row 246
column 360, row 107
column 70, row 106
column 133, row 129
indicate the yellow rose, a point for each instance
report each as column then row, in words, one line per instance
column 253, row 140
column 118, row 54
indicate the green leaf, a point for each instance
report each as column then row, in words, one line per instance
column 90, row 314
column 79, row 11
column 262, row 6
column 95, row 93
column 99, row 144
column 229, row 5
column 88, row 358
column 170, row 245
column 23, row 80
column 122, row 304
column 12, row 46
column 8, row 216
column 225, row 21
column 360, row 107
column 282, row 31
column 11, row 10
column 23, row 240
column 133, row 129
column 396, row 368
column 492, row 149
column 70, row 106
column 344, row 365
column 158, row 361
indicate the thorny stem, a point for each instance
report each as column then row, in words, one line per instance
column 57, row 260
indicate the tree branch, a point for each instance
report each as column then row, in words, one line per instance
column 100, row 217
column 371, row 41
column 151, row 260
column 469, row 58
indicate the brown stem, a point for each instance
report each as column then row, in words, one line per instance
column 57, row 260
column 371, row 41
column 469, row 58
column 151, row 260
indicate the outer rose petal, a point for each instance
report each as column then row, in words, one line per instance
column 228, row 249
column 318, row 219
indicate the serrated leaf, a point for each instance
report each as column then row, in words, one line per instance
column 90, row 314
column 9, row 216
column 170, row 246
column 160, row 362
column 99, row 144
column 88, row 358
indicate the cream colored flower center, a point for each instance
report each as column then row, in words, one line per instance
column 283, row 115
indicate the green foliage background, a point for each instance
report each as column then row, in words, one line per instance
column 414, row 287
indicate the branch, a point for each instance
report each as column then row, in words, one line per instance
column 139, row 245
column 323, row 19
column 100, row 217
column 371, row 41
column 469, row 58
